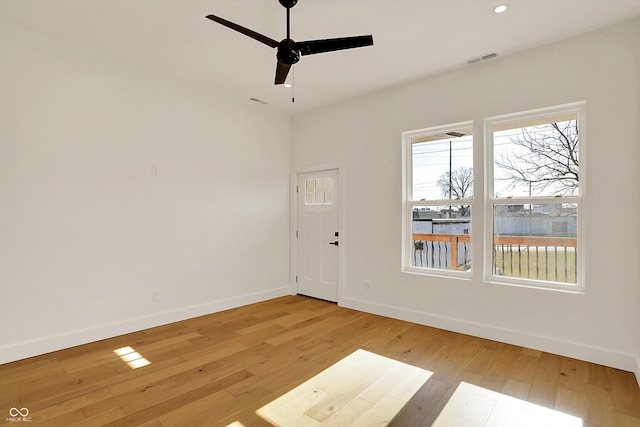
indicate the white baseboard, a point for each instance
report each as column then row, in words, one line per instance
column 600, row 356
column 24, row 350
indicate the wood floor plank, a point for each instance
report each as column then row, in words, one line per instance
column 25, row 367
column 526, row 366
column 498, row 373
column 220, row 369
column 545, row 383
column 68, row 387
column 385, row 385
column 468, row 406
column 246, row 417
column 294, row 406
column 626, row 401
column 29, row 370
column 167, row 343
column 354, row 410
column 259, row 336
column 143, row 395
column 151, row 423
column 432, row 415
column 213, row 351
column 155, row 375
column 100, row 418
column 452, row 365
column 276, row 378
column 344, row 382
column 598, row 376
column 446, row 363
column 306, row 328
column 571, row 402
column 421, row 404
column 212, row 409
column 175, row 403
column 196, row 408
column 393, row 334
column 486, row 355
column 64, row 407
column 245, row 358
column 600, row 406
column 625, row 420
column 516, row 389
column 573, row 374
column 62, row 419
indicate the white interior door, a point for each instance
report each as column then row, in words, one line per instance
column 318, row 239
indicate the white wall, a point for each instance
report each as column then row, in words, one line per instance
column 600, row 68
column 87, row 231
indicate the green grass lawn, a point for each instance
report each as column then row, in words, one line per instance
column 547, row 264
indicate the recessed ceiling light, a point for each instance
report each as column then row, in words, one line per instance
column 287, row 85
column 501, row 8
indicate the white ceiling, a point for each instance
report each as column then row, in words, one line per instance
column 412, row 38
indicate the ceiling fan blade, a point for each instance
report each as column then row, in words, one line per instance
column 282, row 70
column 247, row 32
column 328, row 45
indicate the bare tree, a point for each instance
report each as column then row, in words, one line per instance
column 544, row 156
column 457, row 185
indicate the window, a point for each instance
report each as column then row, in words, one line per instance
column 318, row 191
column 438, row 199
column 534, row 190
column 533, row 181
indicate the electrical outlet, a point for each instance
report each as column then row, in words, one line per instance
column 155, row 296
column 367, row 286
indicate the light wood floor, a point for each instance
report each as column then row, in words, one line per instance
column 237, row 366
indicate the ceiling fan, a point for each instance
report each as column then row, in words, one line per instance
column 289, row 51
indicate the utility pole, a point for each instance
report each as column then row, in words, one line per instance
column 450, row 176
column 530, row 209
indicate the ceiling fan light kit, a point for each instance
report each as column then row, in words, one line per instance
column 288, row 50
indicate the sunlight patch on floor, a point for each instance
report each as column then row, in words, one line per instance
column 131, row 357
column 363, row 389
column 474, row 406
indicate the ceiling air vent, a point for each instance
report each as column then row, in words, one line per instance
column 482, row 58
column 258, row 101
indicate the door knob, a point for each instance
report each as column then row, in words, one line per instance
column 334, row 243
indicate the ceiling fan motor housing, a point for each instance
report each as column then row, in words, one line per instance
column 288, row 52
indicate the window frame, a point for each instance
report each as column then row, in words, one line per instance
column 490, row 201
column 408, row 204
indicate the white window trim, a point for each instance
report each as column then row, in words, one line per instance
column 408, row 203
column 490, row 201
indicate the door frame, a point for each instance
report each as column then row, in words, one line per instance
column 293, row 225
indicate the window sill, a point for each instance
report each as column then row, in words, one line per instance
column 532, row 284
column 437, row 273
